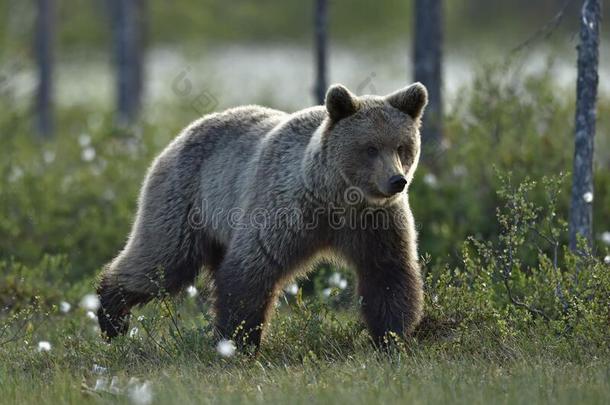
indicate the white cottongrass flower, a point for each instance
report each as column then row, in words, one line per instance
column 114, row 385
column 101, row 384
column 97, row 369
column 606, row 237
column 88, row 154
column 84, row 140
column 15, row 174
column 607, row 259
column 141, row 394
column 459, row 171
column 226, row 348
column 326, row 292
column 133, row 333
column 91, row 315
column 65, row 307
column 132, row 381
column 292, row 289
column 90, row 302
column 48, row 156
column 44, row 346
column 431, row 180
column 191, row 291
column 336, row 280
column 588, row 197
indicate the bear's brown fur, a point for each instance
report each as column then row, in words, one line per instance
column 255, row 195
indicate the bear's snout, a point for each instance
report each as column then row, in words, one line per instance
column 397, row 183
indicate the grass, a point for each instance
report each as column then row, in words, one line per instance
column 312, row 354
column 362, row 379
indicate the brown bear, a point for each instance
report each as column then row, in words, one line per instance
column 255, row 196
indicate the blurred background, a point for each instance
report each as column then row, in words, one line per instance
column 263, row 52
column 92, row 90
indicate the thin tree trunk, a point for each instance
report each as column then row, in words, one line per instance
column 321, row 24
column 128, row 36
column 427, row 60
column 581, row 211
column 45, row 21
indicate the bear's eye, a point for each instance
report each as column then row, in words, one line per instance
column 372, row 151
column 400, row 149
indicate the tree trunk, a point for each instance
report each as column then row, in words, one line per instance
column 128, row 36
column 581, row 211
column 43, row 44
column 321, row 24
column 428, row 43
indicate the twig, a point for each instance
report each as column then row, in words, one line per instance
column 555, row 244
column 15, row 335
column 18, row 333
column 513, row 300
column 506, row 270
column 545, row 31
column 150, row 336
column 174, row 320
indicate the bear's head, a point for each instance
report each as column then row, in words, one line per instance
column 373, row 142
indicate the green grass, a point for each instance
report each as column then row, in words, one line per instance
column 361, row 380
column 327, row 361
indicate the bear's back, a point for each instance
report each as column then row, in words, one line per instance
column 222, row 156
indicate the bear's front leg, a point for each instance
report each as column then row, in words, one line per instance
column 246, row 289
column 389, row 281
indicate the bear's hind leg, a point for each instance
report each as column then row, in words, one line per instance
column 166, row 250
column 115, row 304
column 136, row 276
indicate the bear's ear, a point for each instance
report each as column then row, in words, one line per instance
column 411, row 100
column 340, row 102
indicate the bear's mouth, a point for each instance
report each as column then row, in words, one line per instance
column 378, row 197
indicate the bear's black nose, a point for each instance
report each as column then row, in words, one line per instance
column 397, row 183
